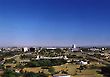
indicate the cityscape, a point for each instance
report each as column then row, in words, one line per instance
column 54, row 38
column 55, row 61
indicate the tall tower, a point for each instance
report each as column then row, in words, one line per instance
column 74, row 46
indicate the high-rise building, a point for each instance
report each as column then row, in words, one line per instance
column 74, row 46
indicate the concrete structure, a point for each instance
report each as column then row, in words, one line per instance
column 38, row 57
column 51, row 48
column 62, row 75
column 83, row 63
column 94, row 49
column 65, row 57
column 74, row 46
column 103, row 49
column 59, row 57
column 17, row 70
column 25, row 49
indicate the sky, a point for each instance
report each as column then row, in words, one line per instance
column 54, row 22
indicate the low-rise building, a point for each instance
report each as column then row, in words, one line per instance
column 83, row 63
column 61, row 75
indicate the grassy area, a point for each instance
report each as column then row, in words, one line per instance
column 34, row 69
column 71, row 69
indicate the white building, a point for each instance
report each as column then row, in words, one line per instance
column 74, row 46
column 63, row 75
column 83, row 63
column 65, row 57
column 103, row 48
column 17, row 71
column 25, row 49
column 51, row 48
column 38, row 57
column 94, row 49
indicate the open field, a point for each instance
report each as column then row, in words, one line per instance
column 72, row 70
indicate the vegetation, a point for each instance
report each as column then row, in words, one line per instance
column 41, row 63
column 10, row 61
column 28, row 66
column 1, row 66
column 51, row 70
column 31, row 74
column 52, row 52
column 10, row 73
column 105, row 71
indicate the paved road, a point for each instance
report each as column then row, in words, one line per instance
column 99, row 60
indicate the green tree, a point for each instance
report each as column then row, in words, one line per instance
column 51, row 70
column 29, row 74
column 32, row 74
column 10, row 73
column 1, row 66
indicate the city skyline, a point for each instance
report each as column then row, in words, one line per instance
column 54, row 22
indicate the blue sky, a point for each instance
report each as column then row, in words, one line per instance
column 54, row 22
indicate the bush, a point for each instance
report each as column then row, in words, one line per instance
column 10, row 73
column 31, row 74
column 51, row 70
column 41, row 63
